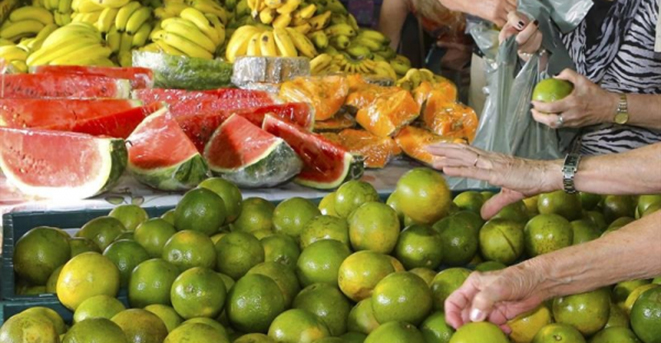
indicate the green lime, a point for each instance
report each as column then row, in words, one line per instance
column 445, row 283
column 588, row 312
column 479, row 332
column 291, row 216
column 554, row 333
column 616, row 206
column 436, row 329
column 153, row 234
column 327, row 303
column 374, row 226
column 126, row 255
column 130, row 215
column 546, row 233
column 502, row 240
column 351, row 195
column 237, row 252
column 256, row 214
column 325, row 227
column 550, row 90
column 470, row 201
column 584, row 231
column 327, row 205
column 281, row 249
column 393, row 332
column 230, row 194
column 646, row 316
column 561, row 203
column 200, row 210
column 459, row 239
column 418, row 246
column 102, row 230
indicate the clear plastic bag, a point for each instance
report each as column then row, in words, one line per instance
column 326, row 94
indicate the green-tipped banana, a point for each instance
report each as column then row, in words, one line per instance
column 139, row 17
column 39, row 14
column 124, row 13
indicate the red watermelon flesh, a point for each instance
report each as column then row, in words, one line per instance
column 118, row 125
column 298, row 113
column 57, row 113
column 326, row 164
column 27, row 86
column 139, row 77
column 200, row 127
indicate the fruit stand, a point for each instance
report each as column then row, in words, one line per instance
column 177, row 171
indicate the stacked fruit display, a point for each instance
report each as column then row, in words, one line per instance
column 220, row 268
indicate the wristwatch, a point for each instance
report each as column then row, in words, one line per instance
column 622, row 114
column 569, row 169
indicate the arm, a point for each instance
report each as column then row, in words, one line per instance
column 494, row 11
column 644, row 110
column 391, row 19
column 627, row 254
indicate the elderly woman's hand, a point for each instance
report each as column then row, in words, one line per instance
column 528, row 36
column 588, row 104
column 518, row 177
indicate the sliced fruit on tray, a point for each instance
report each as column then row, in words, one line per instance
column 57, row 113
column 341, row 121
column 325, row 164
column 53, row 164
column 139, row 77
column 118, row 125
column 250, row 157
column 365, row 96
column 29, row 86
column 184, row 72
column 162, row 157
column 388, row 113
column 443, row 90
column 200, row 127
column 161, row 94
column 377, row 151
column 450, row 119
column 413, row 140
column 326, row 94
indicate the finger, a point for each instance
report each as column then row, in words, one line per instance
column 457, row 302
column 527, row 32
column 459, row 152
column 506, row 32
column 498, row 201
column 533, row 44
column 468, row 172
column 517, row 20
column 483, row 304
column 443, row 162
column 510, row 6
column 557, row 106
column 506, row 329
column 568, row 75
column 550, row 120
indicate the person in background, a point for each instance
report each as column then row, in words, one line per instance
column 617, row 82
column 631, row 252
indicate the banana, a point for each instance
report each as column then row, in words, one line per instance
column 284, row 43
column 351, row 20
column 319, row 39
column 159, row 13
column 4, row 42
column 13, row 52
column 218, row 27
column 405, row 60
column 267, row 45
column 320, row 21
column 20, row 65
column 211, row 7
column 90, row 18
column 103, row 62
column 304, row 29
column 64, row 6
column 38, row 41
column 296, row 20
column 242, row 9
column 202, row 23
column 273, row 4
column 238, row 43
column 341, row 42
column 20, row 29
column 39, row 14
column 47, row 54
column 139, row 17
column 319, row 63
column 253, row 46
column 289, row 6
column 83, row 55
column 302, row 43
column 124, row 14
column 61, row 19
column 372, row 45
column 414, row 76
column 156, row 35
column 106, row 19
column 114, row 39
column 282, row 21
column 427, row 75
column 168, row 49
column 152, row 47
column 126, row 42
column 399, row 67
column 386, row 68
column 51, row 5
column 340, row 30
column 141, row 36
column 267, row 15
column 336, row 7
column 69, row 33
column 192, row 33
column 338, row 19
column 112, row 3
column 86, row 6
column 375, row 36
column 174, row 9
column 188, row 47
column 230, row 5
column 387, row 53
column 307, row 12
column 359, row 51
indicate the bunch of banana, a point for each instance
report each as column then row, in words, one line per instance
column 34, row 43
column 24, row 22
column 6, row 6
column 352, row 65
column 321, row 64
column 60, row 9
column 334, row 6
column 400, row 64
column 280, row 42
column 73, row 44
column 414, row 77
column 14, row 55
column 340, row 35
column 192, row 33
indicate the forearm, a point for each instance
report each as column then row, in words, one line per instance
column 634, row 172
column 645, row 110
column 391, row 20
column 633, row 252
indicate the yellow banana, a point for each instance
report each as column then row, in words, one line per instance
column 152, row 47
column 18, row 30
column 340, row 29
column 174, row 9
column 304, row 29
column 289, row 6
column 168, row 49
column 51, row 5
column 13, row 52
column 253, row 46
column 45, row 55
column 126, row 42
column 83, row 55
column 341, row 42
column 103, row 62
column 238, row 43
column 112, row 3
column 106, row 19
column 114, row 39
column 41, row 36
column 282, row 21
column 39, row 14
column 359, row 51
column 267, row 15
column 192, row 33
column 139, row 17
column 267, row 45
column 375, row 36
column 302, row 43
column 284, row 43
column 188, row 47
column 385, row 66
column 70, row 33
column 124, row 14
column 369, row 43
column 211, row 7
column 307, row 12
column 4, row 42
column 141, row 36
column 157, row 35
column 319, row 39
column 320, row 21
column 64, row 6
column 218, row 27
column 351, row 20
column 86, row 6
column 20, row 65
column 90, row 18
column 426, row 74
column 273, row 4
column 242, row 9
column 320, row 63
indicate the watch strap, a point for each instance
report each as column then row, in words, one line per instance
column 569, row 169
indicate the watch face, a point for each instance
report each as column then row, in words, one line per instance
column 621, row 118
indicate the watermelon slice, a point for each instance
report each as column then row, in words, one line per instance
column 139, row 77
column 162, row 157
column 27, row 86
column 325, row 164
column 200, row 127
column 57, row 113
column 118, row 125
column 245, row 154
column 52, row 164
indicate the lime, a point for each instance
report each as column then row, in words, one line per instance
column 584, row 231
column 616, row 206
column 256, row 214
column 297, row 325
column 615, row 335
column 39, row 252
column 153, row 234
column 325, row 227
column 617, row 317
column 126, row 255
column 100, row 306
column 200, row 210
column 589, row 201
column 80, row 245
column 424, row 195
column 561, row 203
column 550, row 90
column 208, row 321
column 327, row 205
column 237, row 252
column 97, row 330
column 196, row 332
column 283, row 276
column 597, row 219
column 353, row 337
column 646, row 201
column 130, row 215
column 479, row 332
column 141, row 326
column 320, row 262
column 401, row 296
column 546, row 233
column 436, row 329
column 187, row 249
column 622, row 290
column 646, row 316
column 587, row 312
column 230, row 194
column 361, row 317
column 525, row 326
column 291, row 216
column 84, row 276
column 169, row 216
column 459, row 239
column 531, row 206
column 361, row 272
column 150, row 283
column 281, row 249
column 102, row 230
column 445, row 283
column 168, row 315
column 198, row 292
column 425, row 273
column 470, row 201
column 418, row 246
column 327, row 303
column 351, row 195
column 502, row 240
column 489, row 266
column 50, row 314
column 374, row 226
column 29, row 328
column 515, row 211
column 393, row 202
column 554, row 333
column 393, row 332
column 254, row 302
column 254, row 338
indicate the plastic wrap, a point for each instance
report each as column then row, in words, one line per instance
column 388, row 113
column 450, row 119
column 414, row 140
column 377, row 151
column 365, row 96
column 442, row 91
column 326, row 94
column 184, row 72
column 139, row 77
column 265, row 73
column 17, row 86
column 341, row 121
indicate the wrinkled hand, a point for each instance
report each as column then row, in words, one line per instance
column 494, row 11
column 518, row 177
column 495, row 296
column 587, row 105
column 528, row 36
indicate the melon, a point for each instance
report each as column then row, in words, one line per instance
column 118, row 125
column 243, row 153
column 326, row 165
column 64, row 165
column 138, row 77
column 162, row 157
column 27, row 86
column 60, row 113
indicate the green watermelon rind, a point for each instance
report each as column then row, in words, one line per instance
column 183, row 176
column 277, row 165
column 115, row 158
column 354, row 167
column 184, row 72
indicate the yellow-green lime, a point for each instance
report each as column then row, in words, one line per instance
column 588, row 312
column 253, row 303
column 200, row 210
column 168, row 315
column 320, row 262
column 502, row 240
column 325, row 227
column 50, row 314
column 615, row 335
column 84, row 276
column 526, row 325
column 393, row 332
column 479, row 332
column 208, row 321
column 126, row 255
column 424, row 273
column 297, row 325
column 100, row 306
column 256, row 215
column 102, row 231
column 130, row 215
column 198, row 292
column 196, row 332
column 469, row 201
column 33, row 327
column 550, row 90
column 187, row 249
column 327, row 205
column 281, row 249
column 546, row 233
column 230, row 194
column 617, row 317
column 169, row 216
column 80, row 245
column 445, row 283
column 291, row 216
column 374, row 226
column 153, row 234
column 435, row 329
column 361, row 317
column 646, row 316
column 393, row 202
column 515, row 211
column 39, row 252
column 424, row 195
column 327, row 303
column 459, row 239
column 351, row 195
column 141, row 326
column 616, row 206
column 51, row 284
column 558, row 333
column 254, row 338
column 401, row 296
column 560, row 203
column 584, row 231
column 353, row 337
column 283, row 276
column 361, row 272
column 419, row 246
column 237, row 252
column 622, row 290
column 95, row 330
column 150, row 283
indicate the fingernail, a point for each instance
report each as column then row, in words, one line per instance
column 536, row 22
column 521, row 24
column 476, row 315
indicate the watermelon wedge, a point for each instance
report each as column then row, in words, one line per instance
column 325, row 164
column 245, row 154
column 57, row 113
column 138, row 77
column 65, row 165
column 28, row 86
column 118, row 125
column 200, row 127
column 162, row 157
